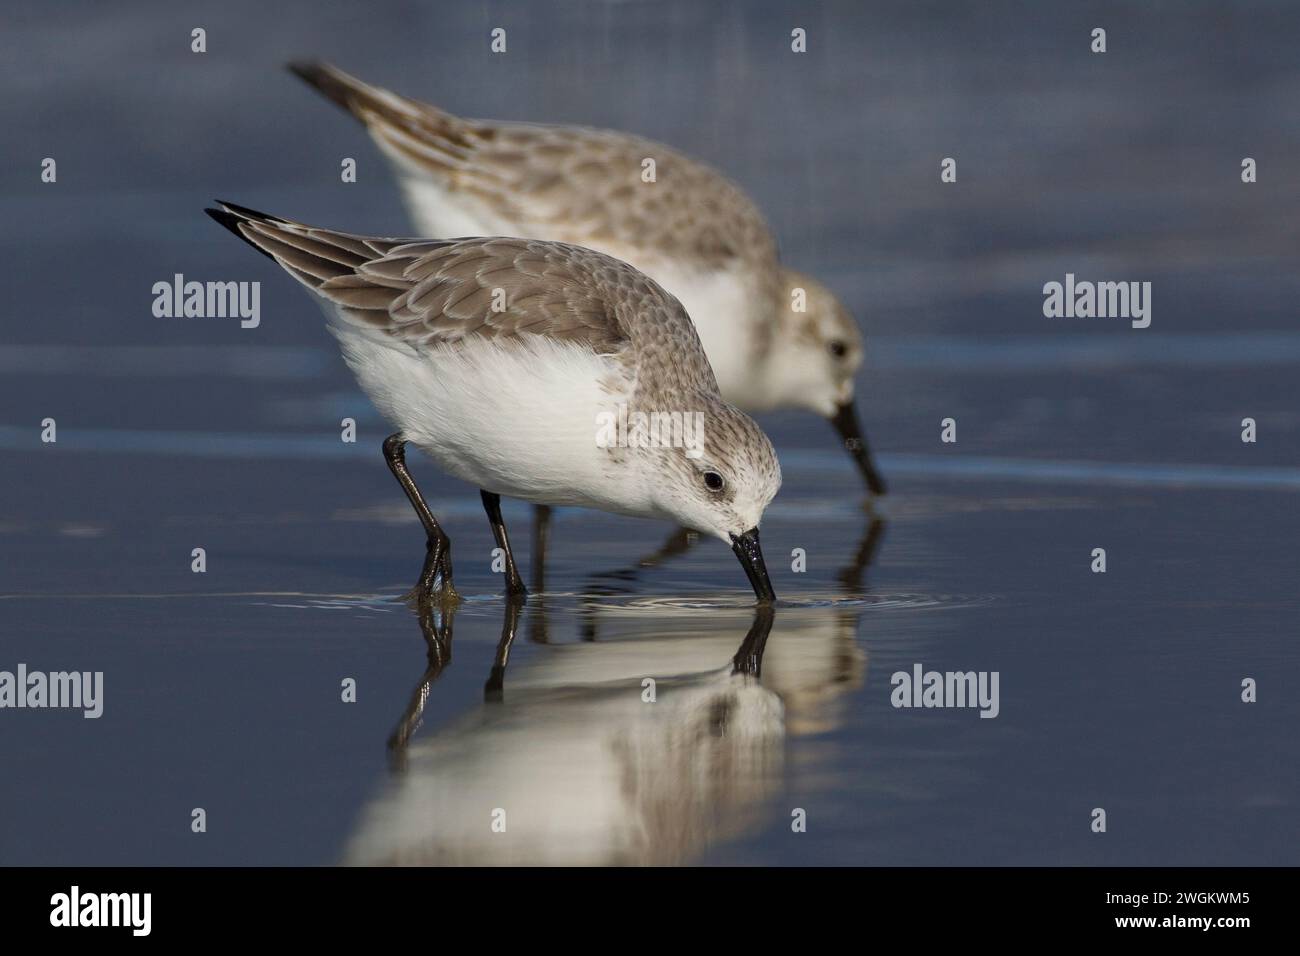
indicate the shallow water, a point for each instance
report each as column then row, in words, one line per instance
column 222, row 690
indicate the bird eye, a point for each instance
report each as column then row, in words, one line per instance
column 838, row 348
column 713, row 481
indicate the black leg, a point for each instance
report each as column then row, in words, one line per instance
column 678, row 543
column 541, row 534
column 492, row 505
column 437, row 556
column 537, row 622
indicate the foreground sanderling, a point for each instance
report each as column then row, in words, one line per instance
column 691, row 229
column 501, row 358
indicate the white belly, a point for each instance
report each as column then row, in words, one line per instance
column 519, row 420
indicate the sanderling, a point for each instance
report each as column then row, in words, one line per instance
column 690, row 228
column 503, row 360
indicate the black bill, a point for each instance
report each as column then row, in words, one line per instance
column 751, row 559
column 845, row 421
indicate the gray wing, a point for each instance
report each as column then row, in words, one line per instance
column 428, row 292
column 565, row 182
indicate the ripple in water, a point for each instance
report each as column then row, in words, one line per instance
column 560, row 601
column 901, row 600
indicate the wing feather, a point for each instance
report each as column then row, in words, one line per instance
column 427, row 293
column 569, row 183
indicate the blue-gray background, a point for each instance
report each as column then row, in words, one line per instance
column 1118, row 690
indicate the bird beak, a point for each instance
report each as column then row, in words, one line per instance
column 751, row 559
column 845, row 421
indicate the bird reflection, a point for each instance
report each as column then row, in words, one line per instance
column 663, row 736
column 436, row 628
column 850, row 576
